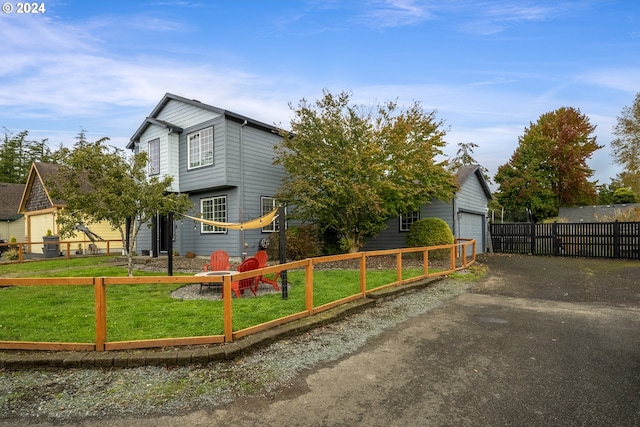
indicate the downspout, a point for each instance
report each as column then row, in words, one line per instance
column 454, row 222
column 241, row 194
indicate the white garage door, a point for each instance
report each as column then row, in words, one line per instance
column 471, row 226
column 39, row 226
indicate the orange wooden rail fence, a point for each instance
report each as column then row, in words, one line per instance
column 458, row 251
column 65, row 247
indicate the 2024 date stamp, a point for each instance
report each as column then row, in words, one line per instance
column 24, row 8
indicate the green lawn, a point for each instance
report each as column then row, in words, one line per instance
column 66, row 313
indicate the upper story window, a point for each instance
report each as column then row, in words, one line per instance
column 408, row 219
column 267, row 204
column 213, row 209
column 154, row 156
column 200, row 148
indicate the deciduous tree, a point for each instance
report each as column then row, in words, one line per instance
column 101, row 183
column 626, row 147
column 549, row 167
column 350, row 168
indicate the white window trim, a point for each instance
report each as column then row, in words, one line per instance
column 200, row 150
column 152, row 157
column 273, row 227
column 402, row 225
column 209, row 229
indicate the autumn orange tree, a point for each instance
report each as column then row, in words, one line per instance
column 549, row 167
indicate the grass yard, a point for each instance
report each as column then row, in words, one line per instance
column 66, row 313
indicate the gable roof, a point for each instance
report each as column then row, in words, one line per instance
column 10, row 194
column 467, row 171
column 152, row 119
column 36, row 180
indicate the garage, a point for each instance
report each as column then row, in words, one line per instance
column 472, row 225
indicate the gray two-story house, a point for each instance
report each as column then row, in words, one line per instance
column 223, row 161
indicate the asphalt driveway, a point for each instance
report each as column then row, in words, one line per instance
column 540, row 342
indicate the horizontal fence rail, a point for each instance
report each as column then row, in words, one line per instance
column 62, row 248
column 590, row 240
column 458, row 256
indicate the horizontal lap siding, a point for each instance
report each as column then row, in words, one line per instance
column 211, row 176
column 185, row 115
column 261, row 177
column 189, row 237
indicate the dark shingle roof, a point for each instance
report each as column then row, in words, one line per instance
column 11, row 195
column 47, row 172
column 153, row 120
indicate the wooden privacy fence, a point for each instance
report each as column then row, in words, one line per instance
column 589, row 239
column 460, row 255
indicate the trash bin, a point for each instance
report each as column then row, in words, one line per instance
column 51, row 246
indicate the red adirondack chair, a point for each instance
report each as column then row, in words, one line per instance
column 219, row 261
column 240, row 286
column 262, row 257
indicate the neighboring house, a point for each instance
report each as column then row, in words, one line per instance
column 40, row 211
column 223, row 161
column 597, row 213
column 466, row 213
column 11, row 221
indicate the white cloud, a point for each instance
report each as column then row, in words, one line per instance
column 395, row 13
column 624, row 79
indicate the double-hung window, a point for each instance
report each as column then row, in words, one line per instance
column 154, row 156
column 267, row 204
column 200, row 148
column 407, row 219
column 213, row 209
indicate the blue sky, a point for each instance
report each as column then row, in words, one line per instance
column 488, row 67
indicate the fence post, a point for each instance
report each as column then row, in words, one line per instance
column 101, row 312
column 453, row 257
column 309, row 287
column 227, row 309
column 363, row 274
column 533, row 238
column 426, row 262
column 616, row 239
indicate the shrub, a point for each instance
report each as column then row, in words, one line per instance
column 11, row 255
column 624, row 195
column 430, row 232
column 302, row 242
